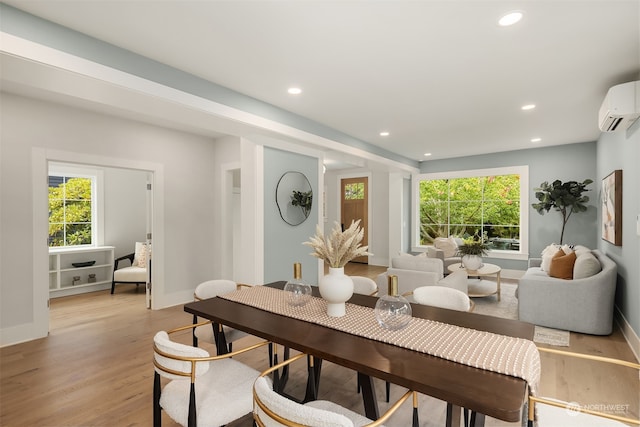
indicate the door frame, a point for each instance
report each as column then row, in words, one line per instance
column 370, row 219
column 40, row 159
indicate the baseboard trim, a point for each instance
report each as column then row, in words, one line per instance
column 629, row 334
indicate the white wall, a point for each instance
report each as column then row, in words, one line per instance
column 187, row 215
column 621, row 150
column 226, row 159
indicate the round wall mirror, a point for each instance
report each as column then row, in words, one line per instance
column 294, row 197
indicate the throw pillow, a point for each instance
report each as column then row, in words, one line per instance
column 567, row 249
column 141, row 255
column 547, row 254
column 586, row 266
column 562, row 265
column 581, row 250
column 446, row 245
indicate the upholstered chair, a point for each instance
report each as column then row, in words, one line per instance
column 134, row 273
column 199, row 389
column 551, row 412
column 441, row 296
column 272, row 409
column 364, row 285
column 209, row 333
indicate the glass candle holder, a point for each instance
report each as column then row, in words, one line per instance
column 298, row 292
column 393, row 311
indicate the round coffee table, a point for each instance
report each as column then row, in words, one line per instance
column 479, row 287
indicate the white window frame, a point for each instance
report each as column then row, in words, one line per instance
column 523, row 171
column 97, row 198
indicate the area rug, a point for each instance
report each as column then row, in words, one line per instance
column 550, row 336
column 507, row 308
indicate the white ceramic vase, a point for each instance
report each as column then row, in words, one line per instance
column 472, row 262
column 336, row 288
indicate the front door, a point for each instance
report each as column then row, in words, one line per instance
column 354, row 196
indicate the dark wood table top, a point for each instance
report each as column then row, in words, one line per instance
column 493, row 394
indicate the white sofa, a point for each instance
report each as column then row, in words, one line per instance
column 417, row 271
column 583, row 304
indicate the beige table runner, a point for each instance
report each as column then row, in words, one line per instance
column 512, row 356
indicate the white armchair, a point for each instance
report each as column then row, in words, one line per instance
column 416, row 271
column 445, row 249
column 136, row 272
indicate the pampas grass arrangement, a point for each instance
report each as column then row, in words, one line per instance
column 341, row 246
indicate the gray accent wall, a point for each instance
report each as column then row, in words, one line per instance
column 621, row 150
column 283, row 242
column 571, row 162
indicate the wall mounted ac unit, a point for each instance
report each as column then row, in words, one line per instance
column 620, row 108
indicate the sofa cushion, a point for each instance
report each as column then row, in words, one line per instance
column 562, row 265
column 586, row 265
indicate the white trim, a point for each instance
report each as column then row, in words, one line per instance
column 629, row 334
column 523, row 171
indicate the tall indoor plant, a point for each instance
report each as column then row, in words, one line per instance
column 566, row 198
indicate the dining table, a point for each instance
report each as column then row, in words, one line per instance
column 481, row 391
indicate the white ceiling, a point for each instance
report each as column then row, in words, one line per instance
column 440, row 76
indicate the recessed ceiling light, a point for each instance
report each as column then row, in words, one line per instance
column 384, row 133
column 427, row 154
column 510, row 18
column 294, row 91
column 528, row 107
column 536, row 139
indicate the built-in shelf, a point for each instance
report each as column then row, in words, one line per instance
column 62, row 273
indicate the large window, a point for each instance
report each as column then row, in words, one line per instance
column 72, row 206
column 490, row 203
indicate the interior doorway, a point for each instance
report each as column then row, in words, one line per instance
column 354, row 205
column 96, row 213
column 231, row 221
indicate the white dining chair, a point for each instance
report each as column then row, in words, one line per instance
column 272, row 409
column 551, row 412
column 364, row 285
column 202, row 389
column 443, row 297
column 207, row 333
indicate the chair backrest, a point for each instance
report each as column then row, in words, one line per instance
column 419, row 263
column 441, row 296
column 364, row 285
column 213, row 288
column 167, row 354
column 271, row 409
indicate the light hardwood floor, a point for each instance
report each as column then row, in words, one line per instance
column 95, row 368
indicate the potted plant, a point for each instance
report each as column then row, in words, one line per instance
column 565, row 197
column 337, row 250
column 472, row 251
column 302, row 199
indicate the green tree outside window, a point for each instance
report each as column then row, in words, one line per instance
column 70, row 215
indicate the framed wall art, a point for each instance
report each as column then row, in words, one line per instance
column 612, row 208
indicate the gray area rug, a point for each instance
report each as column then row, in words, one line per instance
column 507, row 308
